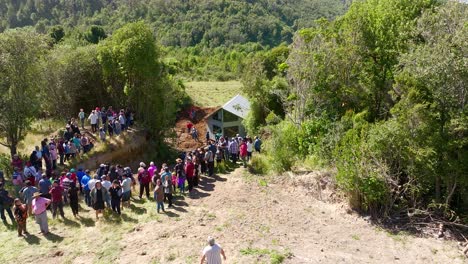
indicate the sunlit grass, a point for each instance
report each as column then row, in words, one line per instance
column 207, row 94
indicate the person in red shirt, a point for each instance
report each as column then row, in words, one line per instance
column 189, row 127
column 16, row 162
column 243, row 152
column 144, row 179
column 190, row 173
column 57, row 201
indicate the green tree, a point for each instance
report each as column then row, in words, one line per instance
column 95, row 34
column 20, row 82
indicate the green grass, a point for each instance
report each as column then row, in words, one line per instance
column 276, row 257
column 39, row 130
column 206, row 94
column 68, row 239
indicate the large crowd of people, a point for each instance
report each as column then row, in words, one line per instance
column 38, row 187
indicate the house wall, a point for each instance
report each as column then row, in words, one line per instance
column 223, row 125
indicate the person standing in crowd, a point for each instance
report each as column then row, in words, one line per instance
column 209, row 159
column 122, row 120
column 73, row 198
column 81, row 116
column 144, row 179
column 21, row 215
column 159, row 196
column 27, row 194
column 6, row 201
column 212, row 253
column 126, row 190
column 180, row 173
column 250, row 147
column 57, row 199
column 190, row 173
column 233, row 149
column 167, row 189
column 65, row 182
column 115, row 192
column 53, row 153
column 17, row 162
column 84, row 183
column 243, row 152
column 98, row 197
column 44, row 186
column 207, row 137
column 93, row 118
column 257, row 144
column 39, row 205
column 107, row 185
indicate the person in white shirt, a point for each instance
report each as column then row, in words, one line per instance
column 93, row 118
column 250, row 147
column 106, row 184
column 212, row 253
column 92, row 182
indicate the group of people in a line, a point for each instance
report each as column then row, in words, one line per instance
column 107, row 121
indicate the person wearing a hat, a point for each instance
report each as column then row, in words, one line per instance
column 99, row 195
column 39, row 206
column 21, row 215
column 57, row 199
column 212, row 252
column 180, row 172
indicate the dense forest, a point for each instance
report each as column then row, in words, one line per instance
column 375, row 90
column 379, row 94
column 178, row 23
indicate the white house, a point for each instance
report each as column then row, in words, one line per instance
column 227, row 119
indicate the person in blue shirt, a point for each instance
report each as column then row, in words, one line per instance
column 79, row 175
column 84, row 183
column 257, row 144
column 44, row 186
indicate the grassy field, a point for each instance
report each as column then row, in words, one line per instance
column 207, row 94
column 72, row 238
column 39, row 130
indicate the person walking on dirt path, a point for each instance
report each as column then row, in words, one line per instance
column 243, row 152
column 195, row 134
column 233, row 150
column 257, row 144
column 207, row 137
column 190, row 173
column 189, row 127
column 209, row 159
column 212, row 253
column 21, row 215
column 39, row 206
column 159, row 196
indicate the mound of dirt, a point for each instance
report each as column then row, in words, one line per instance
column 185, row 142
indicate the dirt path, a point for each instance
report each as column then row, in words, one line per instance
column 259, row 222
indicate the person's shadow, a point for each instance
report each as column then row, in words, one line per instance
column 53, row 237
column 32, row 239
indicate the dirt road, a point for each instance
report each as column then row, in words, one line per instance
column 259, row 222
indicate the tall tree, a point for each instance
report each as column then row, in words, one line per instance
column 20, row 81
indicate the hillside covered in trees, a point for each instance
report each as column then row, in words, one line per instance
column 178, row 23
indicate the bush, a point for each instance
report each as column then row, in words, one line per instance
column 282, row 147
column 259, row 165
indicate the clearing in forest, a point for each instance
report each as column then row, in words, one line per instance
column 209, row 94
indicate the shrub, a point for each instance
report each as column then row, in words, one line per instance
column 282, row 146
column 259, row 165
